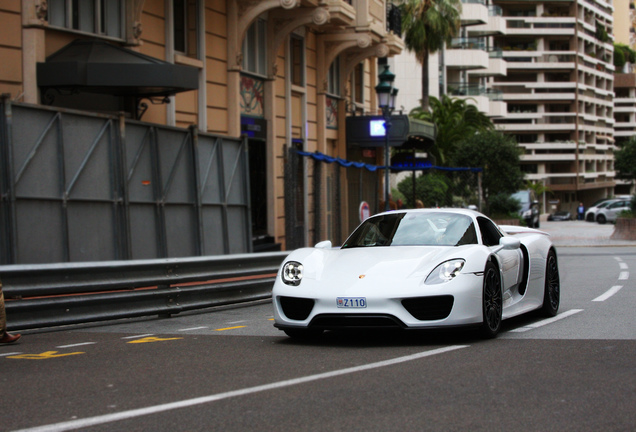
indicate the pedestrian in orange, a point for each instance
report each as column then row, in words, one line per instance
column 4, row 336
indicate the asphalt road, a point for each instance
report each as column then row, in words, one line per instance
column 230, row 370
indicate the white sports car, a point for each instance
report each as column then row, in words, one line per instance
column 418, row 269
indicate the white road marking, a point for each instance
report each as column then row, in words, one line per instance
column 610, row 292
column 546, row 321
column 624, row 275
column 10, row 354
column 109, row 418
column 76, row 345
column 623, row 266
column 138, row 336
column 193, row 328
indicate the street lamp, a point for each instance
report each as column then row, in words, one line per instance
column 386, row 101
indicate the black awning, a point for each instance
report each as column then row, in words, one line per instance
column 405, row 132
column 96, row 66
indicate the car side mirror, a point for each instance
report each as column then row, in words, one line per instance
column 324, row 245
column 510, row 243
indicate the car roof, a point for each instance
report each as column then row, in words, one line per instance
column 452, row 210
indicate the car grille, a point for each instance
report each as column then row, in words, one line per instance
column 429, row 308
column 296, row 308
column 339, row 321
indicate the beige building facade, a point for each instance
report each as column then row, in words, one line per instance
column 284, row 72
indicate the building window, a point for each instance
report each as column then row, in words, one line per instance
column 100, row 17
column 254, row 49
column 357, row 84
column 297, row 60
column 185, row 27
column 333, row 80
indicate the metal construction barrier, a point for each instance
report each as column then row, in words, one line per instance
column 80, row 187
column 48, row 295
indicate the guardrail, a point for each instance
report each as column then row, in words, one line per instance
column 50, row 295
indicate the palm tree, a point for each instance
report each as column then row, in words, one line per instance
column 427, row 26
column 455, row 120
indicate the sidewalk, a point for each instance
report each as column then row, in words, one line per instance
column 581, row 233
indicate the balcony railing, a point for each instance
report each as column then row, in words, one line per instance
column 466, row 89
column 495, row 11
column 469, row 43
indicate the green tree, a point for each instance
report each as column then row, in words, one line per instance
column 499, row 156
column 428, row 25
column 431, row 188
column 625, row 160
column 455, row 121
column 622, row 55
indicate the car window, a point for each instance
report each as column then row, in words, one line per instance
column 618, row 204
column 414, row 229
column 490, row 234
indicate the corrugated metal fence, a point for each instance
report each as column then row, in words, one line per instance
column 76, row 186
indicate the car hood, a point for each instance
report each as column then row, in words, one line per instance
column 379, row 264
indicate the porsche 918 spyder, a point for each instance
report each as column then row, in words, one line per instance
column 418, row 269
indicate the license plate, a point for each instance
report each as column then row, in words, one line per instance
column 351, row 302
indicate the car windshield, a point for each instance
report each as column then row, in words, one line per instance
column 414, row 229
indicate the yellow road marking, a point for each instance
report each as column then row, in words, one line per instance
column 230, row 328
column 45, row 355
column 153, row 339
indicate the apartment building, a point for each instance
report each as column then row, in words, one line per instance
column 543, row 71
column 559, row 94
column 285, row 73
column 625, row 83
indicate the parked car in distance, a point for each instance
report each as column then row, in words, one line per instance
column 590, row 214
column 560, row 216
column 529, row 210
column 610, row 212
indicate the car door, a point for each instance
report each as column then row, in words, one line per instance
column 511, row 260
column 614, row 209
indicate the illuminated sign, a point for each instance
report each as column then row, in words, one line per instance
column 376, row 128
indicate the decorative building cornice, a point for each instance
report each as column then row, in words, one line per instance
column 35, row 13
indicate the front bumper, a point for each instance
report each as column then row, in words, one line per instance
column 456, row 303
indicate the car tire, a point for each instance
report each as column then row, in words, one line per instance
column 601, row 219
column 552, row 290
column 492, row 302
column 302, row 333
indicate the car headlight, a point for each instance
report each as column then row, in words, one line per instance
column 292, row 273
column 445, row 272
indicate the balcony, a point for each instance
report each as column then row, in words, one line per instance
column 474, row 12
column 496, row 24
column 467, row 54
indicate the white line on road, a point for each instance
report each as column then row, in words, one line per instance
column 194, row 328
column 624, row 275
column 623, row 266
column 9, row 354
column 138, row 336
column 546, row 321
column 76, row 345
column 610, row 292
column 109, row 418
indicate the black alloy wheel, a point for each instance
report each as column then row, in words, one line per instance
column 601, row 219
column 552, row 293
column 492, row 302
